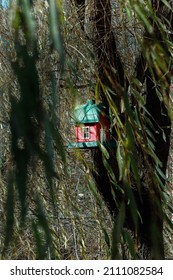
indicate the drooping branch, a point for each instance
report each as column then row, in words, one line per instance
column 112, row 75
column 157, row 80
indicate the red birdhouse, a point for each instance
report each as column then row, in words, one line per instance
column 91, row 126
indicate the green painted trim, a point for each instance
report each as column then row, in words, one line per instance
column 83, row 145
column 94, row 144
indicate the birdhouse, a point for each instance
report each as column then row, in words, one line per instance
column 91, row 126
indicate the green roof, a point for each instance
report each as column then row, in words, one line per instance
column 87, row 113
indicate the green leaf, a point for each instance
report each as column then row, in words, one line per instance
column 93, row 189
column 55, row 30
column 104, row 151
column 109, row 169
column 166, row 4
column 42, row 232
column 132, row 204
column 130, row 243
column 143, row 16
column 29, row 20
column 120, row 160
column 117, row 232
column 106, row 237
column 40, row 248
